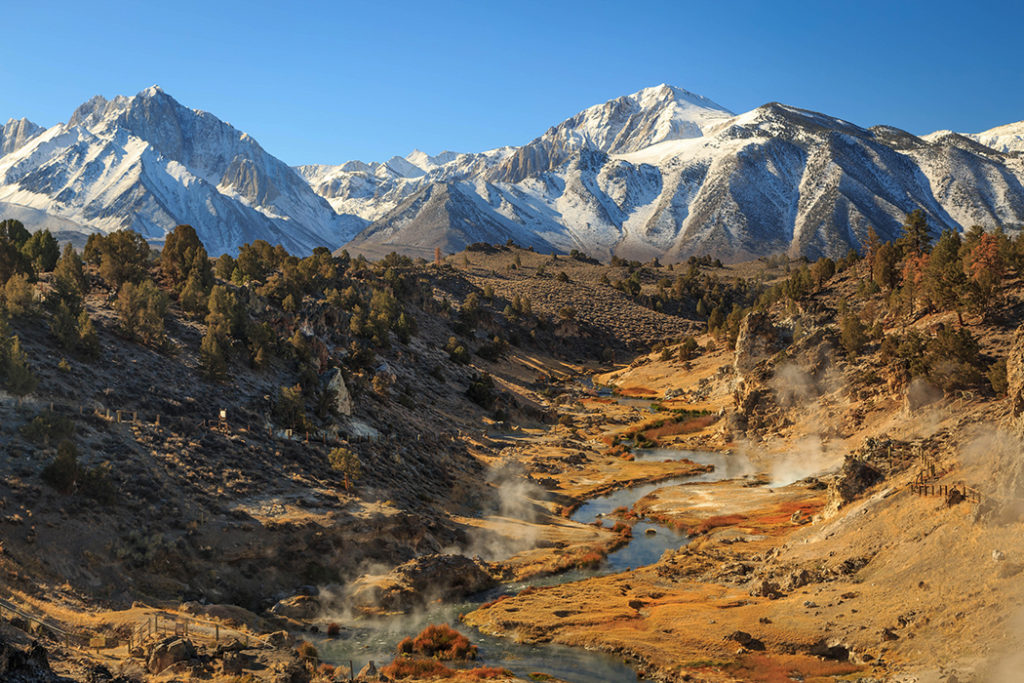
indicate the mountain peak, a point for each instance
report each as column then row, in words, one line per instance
column 659, row 95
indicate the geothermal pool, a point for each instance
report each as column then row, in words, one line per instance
column 364, row 639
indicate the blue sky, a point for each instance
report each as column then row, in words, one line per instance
column 332, row 81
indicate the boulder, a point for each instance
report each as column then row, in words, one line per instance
column 298, row 607
column 368, row 672
column 26, row 666
column 339, row 393
column 280, row 639
column 168, row 652
column 746, row 640
column 765, row 588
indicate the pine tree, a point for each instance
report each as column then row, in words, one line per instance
column 16, row 374
column 141, row 310
column 69, row 273
column 42, row 250
column 986, row 268
column 945, row 283
column 212, row 357
column 883, row 270
column 916, row 236
column 18, row 294
column 64, row 326
column 88, row 340
column 192, row 297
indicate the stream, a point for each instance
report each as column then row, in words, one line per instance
column 364, row 639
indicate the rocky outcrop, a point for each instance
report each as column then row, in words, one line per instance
column 338, row 392
column 758, row 338
column 26, row 666
column 856, row 477
column 1015, row 381
column 298, row 607
column 168, row 652
column 418, row 581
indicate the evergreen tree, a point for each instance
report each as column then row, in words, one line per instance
column 141, row 310
column 985, row 268
column 884, row 271
column 64, row 326
column 18, row 294
column 945, row 282
column 184, row 257
column 193, row 298
column 124, row 258
column 13, row 231
column 15, row 373
column 916, row 236
column 213, row 361
column 88, row 340
column 69, row 273
column 42, row 250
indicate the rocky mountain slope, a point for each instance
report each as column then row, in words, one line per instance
column 670, row 174
column 661, row 172
column 148, row 163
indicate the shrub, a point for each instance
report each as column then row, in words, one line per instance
column 997, row 377
column 66, row 475
column 346, row 462
column 62, row 472
column 457, row 353
column 441, row 642
column 290, row 408
column 852, row 334
column 48, row 426
column 307, row 651
column 481, row 391
column 403, row 667
column 141, row 310
column 18, row 294
column 15, row 374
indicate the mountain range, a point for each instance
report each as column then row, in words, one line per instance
column 660, row 173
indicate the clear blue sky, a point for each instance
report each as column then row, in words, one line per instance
column 332, row 81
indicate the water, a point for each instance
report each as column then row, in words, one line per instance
column 364, row 639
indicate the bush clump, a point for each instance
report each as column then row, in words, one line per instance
column 439, row 641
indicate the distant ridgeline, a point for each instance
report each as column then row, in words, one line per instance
column 661, row 172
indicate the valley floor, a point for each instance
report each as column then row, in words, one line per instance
column 784, row 578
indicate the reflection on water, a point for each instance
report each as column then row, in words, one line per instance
column 366, row 639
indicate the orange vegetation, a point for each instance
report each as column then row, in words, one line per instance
column 440, row 641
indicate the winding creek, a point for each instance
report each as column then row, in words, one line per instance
column 364, row 639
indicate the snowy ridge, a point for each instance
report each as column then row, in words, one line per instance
column 661, row 172
column 618, row 179
column 148, row 163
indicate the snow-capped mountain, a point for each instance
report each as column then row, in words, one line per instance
column 148, row 163
column 662, row 172
column 1008, row 138
column 667, row 173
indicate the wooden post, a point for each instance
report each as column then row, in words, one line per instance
column 351, row 671
column 216, row 631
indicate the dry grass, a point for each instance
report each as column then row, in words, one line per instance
column 416, row 667
column 785, row 668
